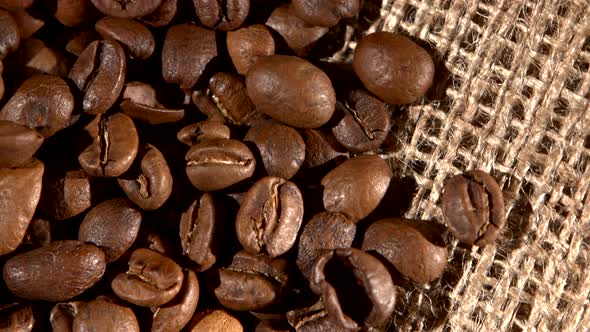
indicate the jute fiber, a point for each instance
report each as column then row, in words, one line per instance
column 512, row 98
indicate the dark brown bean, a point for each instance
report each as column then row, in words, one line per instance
column 18, row 143
column 313, row 319
column 9, row 34
column 78, row 43
column 72, row 13
column 39, row 233
column 325, row 13
column 140, row 103
column 100, row 314
column 163, row 15
column 321, row 148
column 137, row 39
column 16, row 317
column 231, row 98
column 207, row 107
column 222, row 15
column 473, row 208
column 126, row 8
column 66, row 193
column 215, row 321
column 177, row 313
column 393, row 67
column 204, row 130
column 247, row 44
column 56, row 272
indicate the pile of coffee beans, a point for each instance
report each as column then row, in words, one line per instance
column 171, row 165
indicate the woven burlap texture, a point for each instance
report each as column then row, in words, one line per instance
column 515, row 101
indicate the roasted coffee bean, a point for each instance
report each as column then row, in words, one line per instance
column 356, row 187
column 39, row 233
column 140, row 103
column 126, row 8
column 99, row 73
column 291, row 90
column 356, row 288
column 201, row 231
column 281, row 148
column 28, row 25
column 151, row 280
column 325, row 13
column 177, row 313
column 204, row 130
column 247, row 44
column 299, row 35
column 321, row 148
column 78, row 43
column 313, row 319
column 20, row 190
column 43, row 103
column 219, row 163
column 251, row 282
column 18, row 144
column 365, row 122
column 207, row 107
column 72, row 13
column 56, row 272
column 229, row 94
column 16, row 4
column 9, row 34
column 325, row 231
column 113, row 147
column 135, row 37
column 112, row 226
column 183, row 62
column 393, row 67
column 16, row 317
column 149, row 182
column 222, row 15
column 473, row 208
column 66, row 193
column 163, row 15
column 413, row 248
column 270, row 216
column 35, row 57
column 215, row 321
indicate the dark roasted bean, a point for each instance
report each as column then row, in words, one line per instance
column 18, row 143
column 177, row 313
column 127, row 8
column 326, row 13
column 9, row 34
column 137, row 39
column 299, row 35
column 247, row 44
column 222, row 15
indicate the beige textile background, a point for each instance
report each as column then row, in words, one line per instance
column 515, row 101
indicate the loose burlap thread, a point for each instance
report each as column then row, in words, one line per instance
column 514, row 100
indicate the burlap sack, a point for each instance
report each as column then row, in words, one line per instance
column 512, row 98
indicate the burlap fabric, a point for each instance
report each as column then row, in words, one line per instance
column 512, row 98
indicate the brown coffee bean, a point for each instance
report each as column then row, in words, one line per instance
column 281, row 148
column 219, row 163
column 56, row 272
column 231, row 98
column 65, row 193
column 325, row 13
column 183, row 63
column 21, row 191
column 148, row 183
column 299, row 35
column 247, row 44
column 112, row 226
column 78, row 43
column 281, row 87
column 356, row 288
column 204, row 130
column 321, row 148
column 163, row 15
column 16, row 4
column 99, row 73
column 9, row 34
column 270, row 216
column 177, row 313
column 39, row 233
column 207, row 107
column 393, row 67
column 113, row 148
column 222, row 15
column 72, row 13
column 151, row 281
column 356, row 187
column 126, row 8
column 18, row 144
column 416, row 251
column 140, row 103
column 43, row 103
column 17, row 317
column 215, row 321
column 313, row 319
column 28, row 25
column 365, row 122
column 325, row 231
column 100, row 314
column 35, row 57
column 473, row 208
column 135, row 37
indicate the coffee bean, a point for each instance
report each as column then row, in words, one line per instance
column 140, row 103
column 100, row 314
column 393, row 67
column 321, row 148
column 9, row 34
column 21, row 191
column 247, row 44
column 207, row 107
column 177, row 313
column 299, row 35
column 99, row 73
column 356, row 288
column 78, row 43
column 39, row 233
column 16, row 317
column 111, row 225
column 126, row 8
column 313, row 319
column 365, row 122
column 215, row 321
column 473, row 208
column 72, row 13
column 231, row 98
column 35, row 57
column 28, row 24
column 66, row 194
column 413, row 248
column 113, row 147
column 325, row 231
column 18, row 143
column 16, row 4
column 151, row 280
column 325, row 13
column 281, row 148
column 56, row 272
column 281, row 87
column 183, row 62
column 163, row 15
column 356, row 187
column 43, row 103
column 148, row 183
column 270, row 216
column 219, row 163
column 222, row 15
column 204, row 130
column 135, row 37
